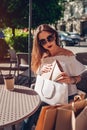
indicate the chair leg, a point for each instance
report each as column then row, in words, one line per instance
column 15, row 70
column 14, row 73
column 18, row 71
column 0, row 72
column 13, row 127
column 10, row 68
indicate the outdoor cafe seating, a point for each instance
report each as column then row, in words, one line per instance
column 17, row 62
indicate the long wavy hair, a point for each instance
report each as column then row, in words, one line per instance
column 38, row 51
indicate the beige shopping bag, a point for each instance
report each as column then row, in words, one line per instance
column 47, row 118
column 72, row 116
column 41, row 118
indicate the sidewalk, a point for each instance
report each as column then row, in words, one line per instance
column 76, row 49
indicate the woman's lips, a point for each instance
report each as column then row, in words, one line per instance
column 49, row 46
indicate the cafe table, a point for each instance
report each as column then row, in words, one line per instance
column 17, row 105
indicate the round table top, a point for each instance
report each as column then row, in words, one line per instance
column 17, row 105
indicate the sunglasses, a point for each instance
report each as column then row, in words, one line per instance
column 50, row 38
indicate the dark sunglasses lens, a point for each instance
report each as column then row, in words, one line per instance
column 50, row 38
column 42, row 42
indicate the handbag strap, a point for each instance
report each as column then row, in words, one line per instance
column 59, row 65
column 52, row 71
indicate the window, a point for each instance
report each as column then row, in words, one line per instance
column 85, row 9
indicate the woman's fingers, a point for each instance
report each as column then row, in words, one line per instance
column 61, row 75
column 63, row 78
column 46, row 68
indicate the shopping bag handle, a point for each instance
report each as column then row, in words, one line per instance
column 81, row 101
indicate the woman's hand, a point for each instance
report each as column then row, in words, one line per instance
column 46, row 68
column 64, row 78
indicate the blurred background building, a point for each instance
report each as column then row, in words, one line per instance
column 75, row 17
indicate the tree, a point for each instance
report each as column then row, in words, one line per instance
column 48, row 11
column 15, row 13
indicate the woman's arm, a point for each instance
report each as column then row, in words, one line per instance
column 75, row 79
column 64, row 78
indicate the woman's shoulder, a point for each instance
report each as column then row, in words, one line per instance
column 45, row 55
column 67, row 52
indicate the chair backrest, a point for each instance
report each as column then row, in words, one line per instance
column 82, row 57
column 13, row 55
column 23, row 58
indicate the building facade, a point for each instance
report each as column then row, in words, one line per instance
column 75, row 17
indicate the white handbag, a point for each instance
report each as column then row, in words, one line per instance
column 55, row 71
column 51, row 92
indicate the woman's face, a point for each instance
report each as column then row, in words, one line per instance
column 47, row 40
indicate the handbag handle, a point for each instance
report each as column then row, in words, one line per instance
column 60, row 67
column 79, row 104
column 46, row 94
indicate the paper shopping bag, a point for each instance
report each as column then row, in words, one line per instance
column 48, row 113
column 70, row 116
column 41, row 118
column 81, row 120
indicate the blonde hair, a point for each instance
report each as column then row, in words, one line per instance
column 38, row 51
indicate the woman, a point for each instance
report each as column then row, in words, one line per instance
column 46, row 45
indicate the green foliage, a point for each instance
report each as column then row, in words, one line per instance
column 16, row 15
column 16, row 12
column 3, row 49
column 48, row 11
column 19, row 42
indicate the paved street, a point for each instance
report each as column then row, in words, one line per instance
column 78, row 48
column 83, row 44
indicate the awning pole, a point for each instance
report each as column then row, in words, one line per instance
column 29, row 40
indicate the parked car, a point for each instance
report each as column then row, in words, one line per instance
column 65, row 40
column 75, row 36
